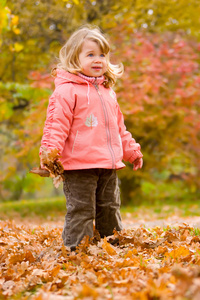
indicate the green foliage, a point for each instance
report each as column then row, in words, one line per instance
column 22, row 106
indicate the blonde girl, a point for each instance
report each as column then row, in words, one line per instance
column 85, row 124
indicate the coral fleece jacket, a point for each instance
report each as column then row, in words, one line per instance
column 85, row 124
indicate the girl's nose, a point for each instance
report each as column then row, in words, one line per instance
column 97, row 58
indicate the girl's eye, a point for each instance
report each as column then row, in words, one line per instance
column 102, row 55
column 90, row 55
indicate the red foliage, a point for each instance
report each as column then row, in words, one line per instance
column 159, row 95
column 40, row 80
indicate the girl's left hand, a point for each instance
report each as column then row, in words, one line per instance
column 137, row 164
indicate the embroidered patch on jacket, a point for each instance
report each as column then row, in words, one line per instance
column 91, row 121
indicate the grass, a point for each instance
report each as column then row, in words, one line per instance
column 183, row 209
column 41, row 208
column 54, row 208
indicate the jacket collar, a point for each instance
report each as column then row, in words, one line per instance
column 97, row 80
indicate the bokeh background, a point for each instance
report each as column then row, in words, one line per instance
column 159, row 44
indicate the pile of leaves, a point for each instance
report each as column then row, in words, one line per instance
column 159, row 263
column 51, row 166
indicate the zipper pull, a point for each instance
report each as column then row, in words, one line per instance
column 97, row 87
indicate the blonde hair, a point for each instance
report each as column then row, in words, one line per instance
column 69, row 53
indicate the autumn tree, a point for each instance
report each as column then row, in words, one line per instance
column 31, row 36
column 159, row 94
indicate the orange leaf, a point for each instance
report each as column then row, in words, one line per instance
column 55, row 270
column 177, row 253
column 108, row 248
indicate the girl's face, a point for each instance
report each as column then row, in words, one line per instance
column 93, row 61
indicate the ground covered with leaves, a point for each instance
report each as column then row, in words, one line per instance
column 137, row 263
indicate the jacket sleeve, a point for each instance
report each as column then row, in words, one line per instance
column 58, row 121
column 131, row 149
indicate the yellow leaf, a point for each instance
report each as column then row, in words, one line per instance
column 16, row 30
column 15, row 20
column 18, row 47
column 108, row 248
column 76, row 2
column 4, row 16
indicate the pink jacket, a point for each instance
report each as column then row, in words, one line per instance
column 85, row 124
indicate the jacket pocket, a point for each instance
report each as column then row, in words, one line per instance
column 120, row 143
column 75, row 140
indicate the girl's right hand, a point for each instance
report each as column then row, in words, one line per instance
column 137, row 164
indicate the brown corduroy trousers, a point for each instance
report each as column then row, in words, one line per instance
column 91, row 194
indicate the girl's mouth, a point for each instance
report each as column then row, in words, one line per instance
column 96, row 68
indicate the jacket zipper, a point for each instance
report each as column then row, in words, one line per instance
column 108, row 135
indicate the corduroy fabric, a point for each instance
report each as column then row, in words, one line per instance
column 90, row 195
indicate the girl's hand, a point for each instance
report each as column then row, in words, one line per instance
column 42, row 166
column 137, row 164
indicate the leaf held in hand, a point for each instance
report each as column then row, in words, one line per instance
column 53, row 167
column 40, row 172
column 50, row 160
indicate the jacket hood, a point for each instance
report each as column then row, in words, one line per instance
column 63, row 76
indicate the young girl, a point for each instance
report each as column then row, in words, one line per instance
column 85, row 124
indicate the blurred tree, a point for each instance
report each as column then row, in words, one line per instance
column 155, row 15
column 39, row 28
column 20, row 131
column 31, row 33
column 159, row 94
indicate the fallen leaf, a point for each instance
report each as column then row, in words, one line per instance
column 108, row 248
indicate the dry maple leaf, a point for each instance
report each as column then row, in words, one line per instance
column 52, row 166
column 50, row 160
column 108, row 248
